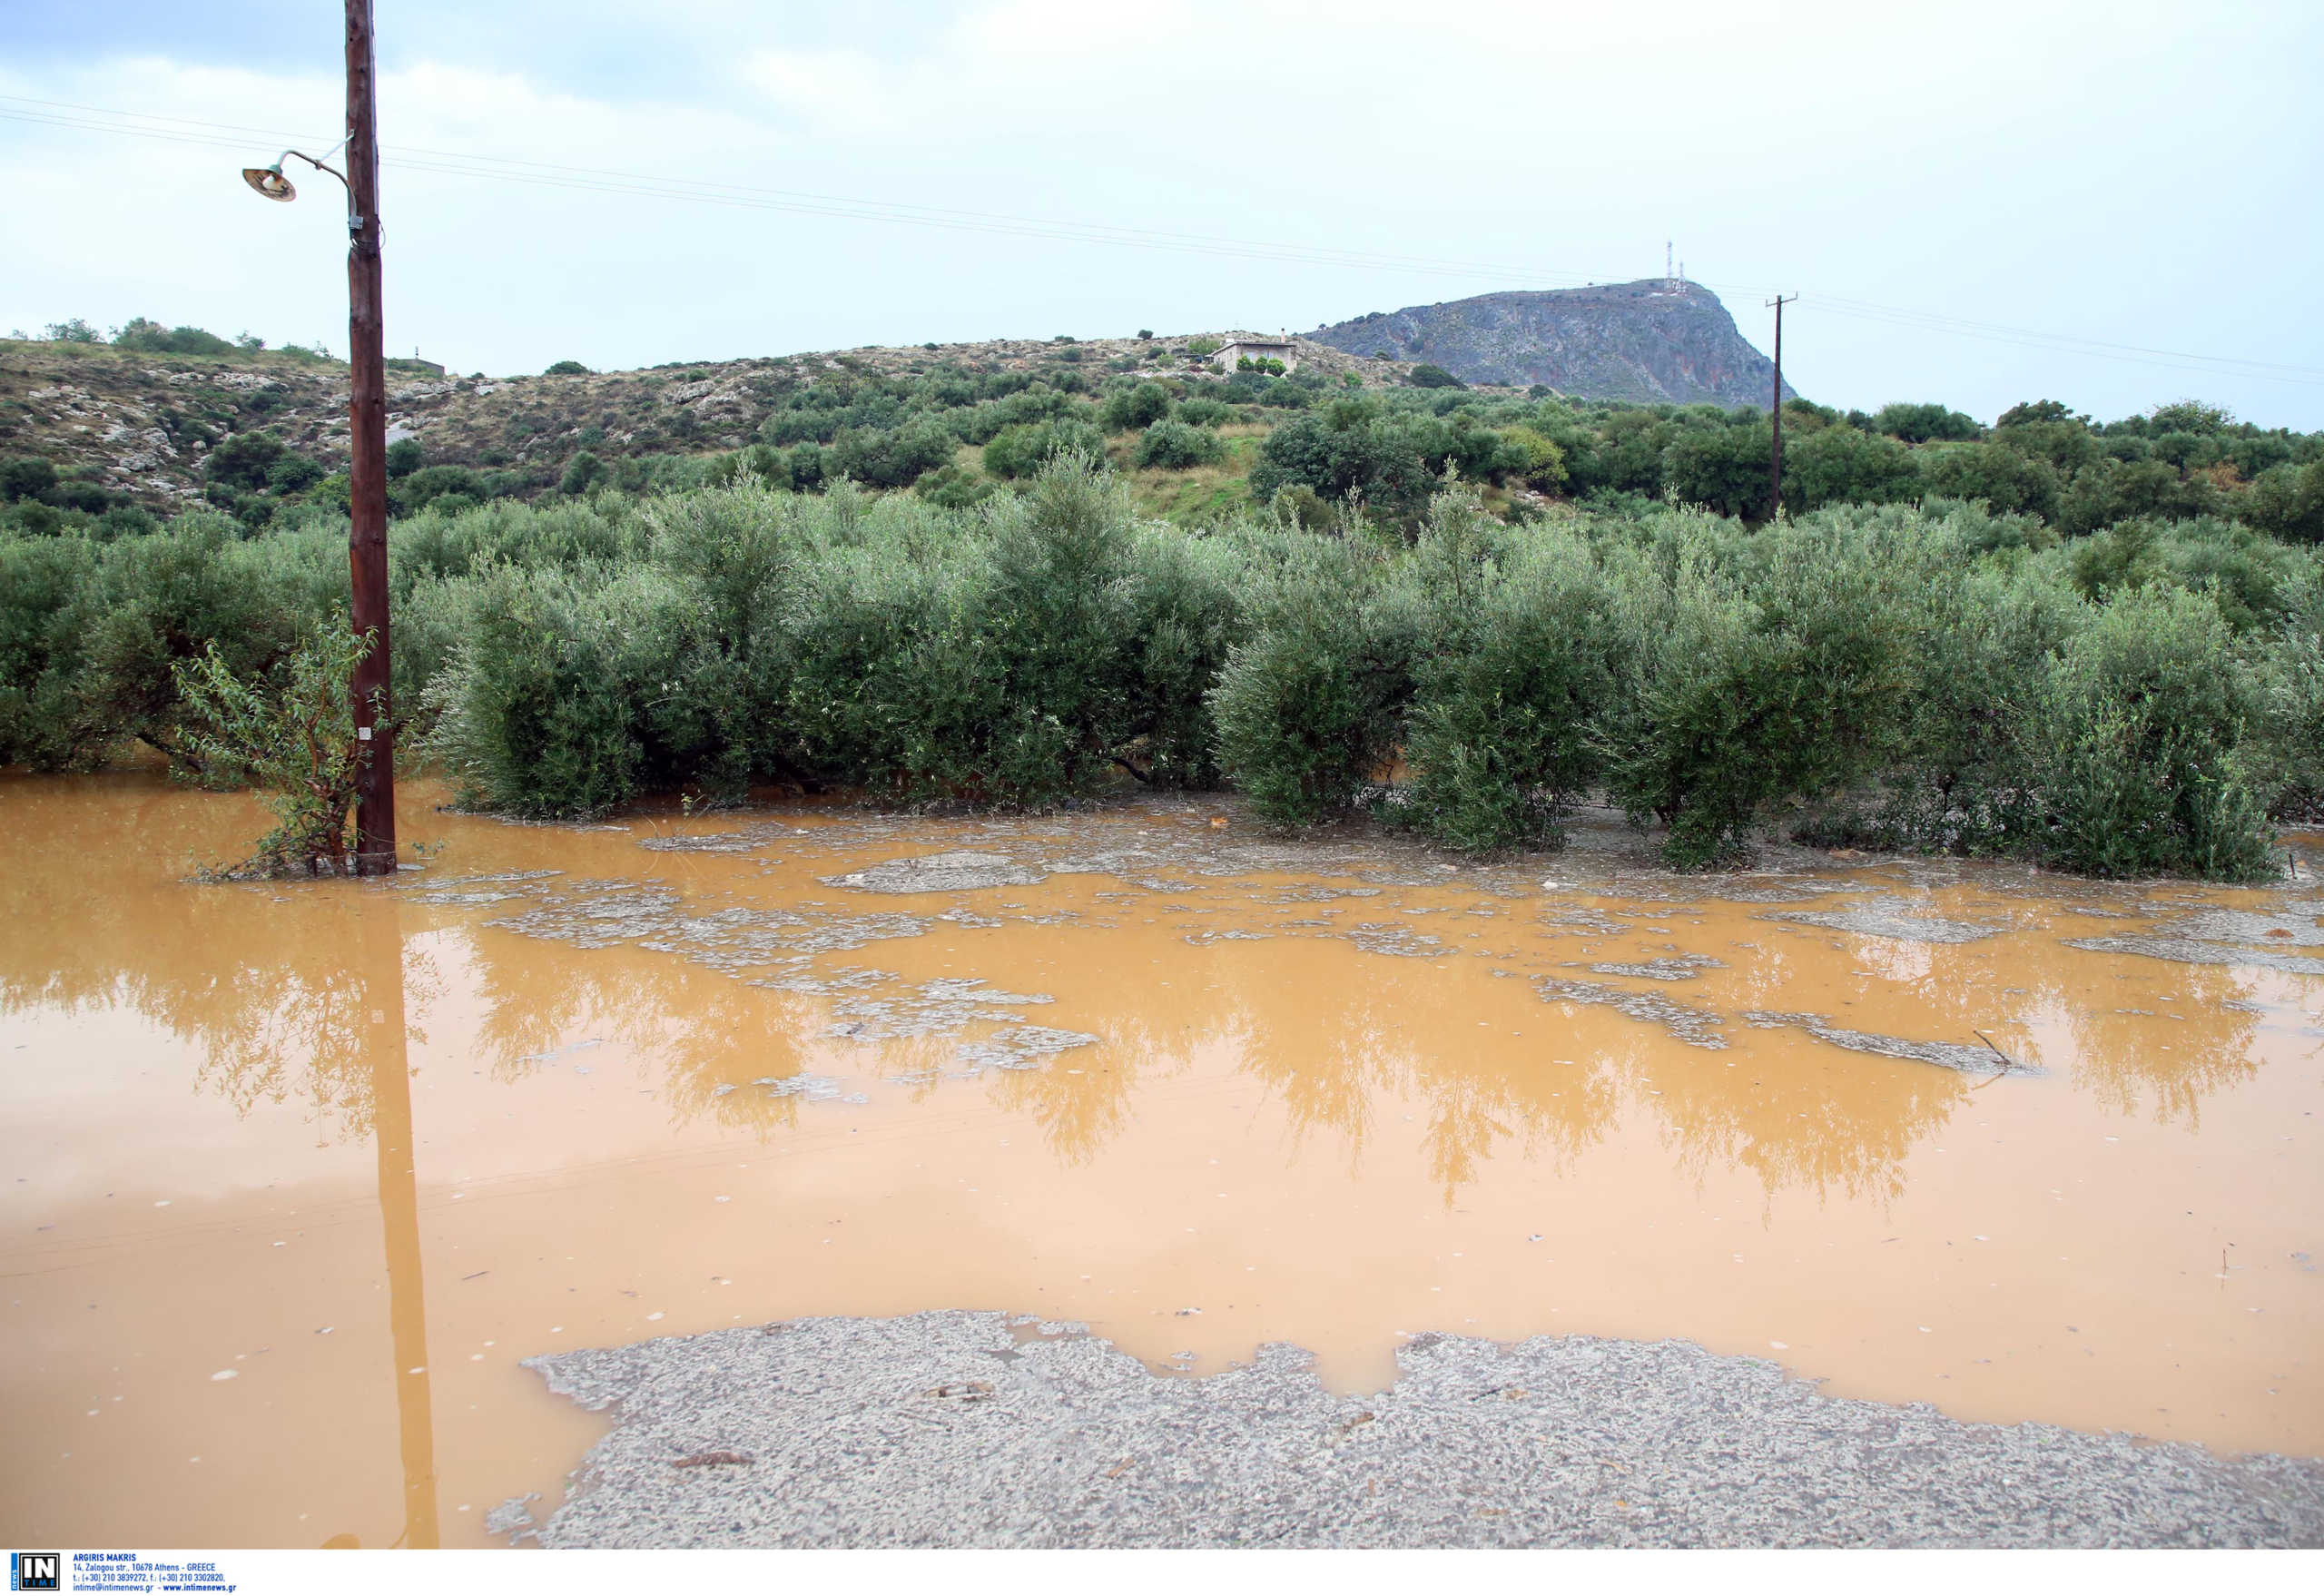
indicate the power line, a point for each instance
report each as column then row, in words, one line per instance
column 591, row 180
column 600, row 181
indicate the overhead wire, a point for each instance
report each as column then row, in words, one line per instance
column 592, row 180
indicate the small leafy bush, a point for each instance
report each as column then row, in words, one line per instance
column 1020, row 451
column 1134, row 409
column 2130, row 744
column 1174, row 446
column 1501, row 735
column 1310, row 706
column 290, row 733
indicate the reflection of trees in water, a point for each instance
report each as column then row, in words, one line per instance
column 269, row 983
column 299, row 1030
column 1355, row 1042
column 1078, row 1114
column 1786, row 1124
column 1994, row 986
column 2118, row 1058
column 701, row 1026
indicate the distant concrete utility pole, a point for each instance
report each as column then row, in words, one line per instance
column 1775, row 410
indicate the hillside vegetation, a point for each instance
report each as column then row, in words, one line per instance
column 107, row 438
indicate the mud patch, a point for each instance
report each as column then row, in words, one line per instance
column 2298, row 927
column 1696, row 1028
column 935, row 1008
column 2184, row 951
column 1676, row 967
column 1970, row 1059
column 1022, row 1047
column 1398, row 942
column 1889, row 918
column 940, row 872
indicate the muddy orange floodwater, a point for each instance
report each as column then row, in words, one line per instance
column 297, row 1175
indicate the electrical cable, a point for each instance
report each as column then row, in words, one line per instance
column 590, row 180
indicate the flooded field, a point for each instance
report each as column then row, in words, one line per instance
column 298, row 1173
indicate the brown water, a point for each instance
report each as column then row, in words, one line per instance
column 298, row 1173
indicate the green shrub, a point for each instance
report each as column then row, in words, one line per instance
column 408, row 495
column 2130, row 745
column 1923, row 423
column 1839, row 465
column 894, row 458
column 997, row 667
column 1931, row 677
column 1427, row 376
column 1518, row 664
column 244, row 460
column 955, row 487
column 1721, row 465
column 2003, row 477
column 583, row 472
column 542, row 711
column 1749, row 690
column 2286, row 501
column 48, row 590
column 1020, row 451
column 291, row 733
column 293, row 474
column 153, row 604
column 1182, row 611
column 1352, row 447
column 2104, row 493
column 2289, row 752
column 566, row 368
column 1174, row 446
column 1311, row 704
column 1199, row 411
column 2246, row 574
column 1134, row 409
column 26, row 477
column 141, row 334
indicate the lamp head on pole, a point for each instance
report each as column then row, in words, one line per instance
column 269, row 182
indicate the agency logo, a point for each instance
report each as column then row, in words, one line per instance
column 36, row 1571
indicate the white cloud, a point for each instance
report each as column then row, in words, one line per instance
column 2098, row 170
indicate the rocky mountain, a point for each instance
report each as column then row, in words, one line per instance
column 1643, row 342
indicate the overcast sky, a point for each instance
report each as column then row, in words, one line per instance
column 2124, row 173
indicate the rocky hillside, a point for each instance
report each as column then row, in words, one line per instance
column 1633, row 341
column 140, row 425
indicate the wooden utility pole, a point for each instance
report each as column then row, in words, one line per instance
column 1775, row 411
column 366, row 534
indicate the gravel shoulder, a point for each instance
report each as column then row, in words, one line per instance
column 981, row 1429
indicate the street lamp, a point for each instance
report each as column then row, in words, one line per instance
column 366, row 498
column 272, row 185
